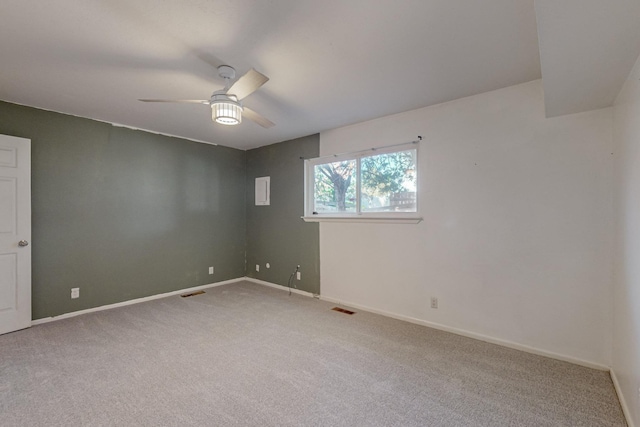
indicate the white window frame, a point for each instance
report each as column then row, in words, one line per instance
column 358, row 216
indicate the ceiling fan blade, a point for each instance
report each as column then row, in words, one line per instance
column 188, row 101
column 252, row 115
column 247, row 84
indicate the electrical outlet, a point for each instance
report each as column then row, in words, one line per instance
column 75, row 293
column 257, row 267
column 210, row 270
column 434, row 302
column 268, row 265
column 298, row 275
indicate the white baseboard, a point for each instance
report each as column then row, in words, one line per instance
column 133, row 301
column 438, row 326
column 504, row 343
column 623, row 402
column 282, row 288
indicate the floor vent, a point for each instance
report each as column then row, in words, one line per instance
column 342, row 310
column 192, row 294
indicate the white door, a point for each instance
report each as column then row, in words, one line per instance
column 15, row 233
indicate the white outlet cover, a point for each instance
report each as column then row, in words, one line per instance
column 210, row 270
column 257, row 267
column 268, row 265
column 75, row 293
column 298, row 275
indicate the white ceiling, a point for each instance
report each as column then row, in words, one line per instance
column 587, row 50
column 331, row 62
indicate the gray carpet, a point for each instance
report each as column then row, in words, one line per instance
column 244, row 354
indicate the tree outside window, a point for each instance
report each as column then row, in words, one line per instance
column 387, row 184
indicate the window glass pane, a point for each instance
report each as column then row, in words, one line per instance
column 335, row 187
column 389, row 182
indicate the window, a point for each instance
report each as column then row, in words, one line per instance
column 376, row 184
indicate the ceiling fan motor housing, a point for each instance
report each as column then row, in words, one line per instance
column 227, row 72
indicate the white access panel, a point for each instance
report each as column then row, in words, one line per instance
column 15, row 233
column 263, row 190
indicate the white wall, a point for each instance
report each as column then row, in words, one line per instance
column 626, row 303
column 516, row 239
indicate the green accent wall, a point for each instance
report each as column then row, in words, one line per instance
column 276, row 234
column 124, row 214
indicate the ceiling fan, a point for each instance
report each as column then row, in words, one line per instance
column 226, row 107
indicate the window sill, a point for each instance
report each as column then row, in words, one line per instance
column 369, row 219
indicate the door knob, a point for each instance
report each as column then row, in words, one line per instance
column 23, row 243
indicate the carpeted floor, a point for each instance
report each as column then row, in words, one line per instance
column 245, row 354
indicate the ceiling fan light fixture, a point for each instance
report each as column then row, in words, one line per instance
column 226, row 105
column 226, row 110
